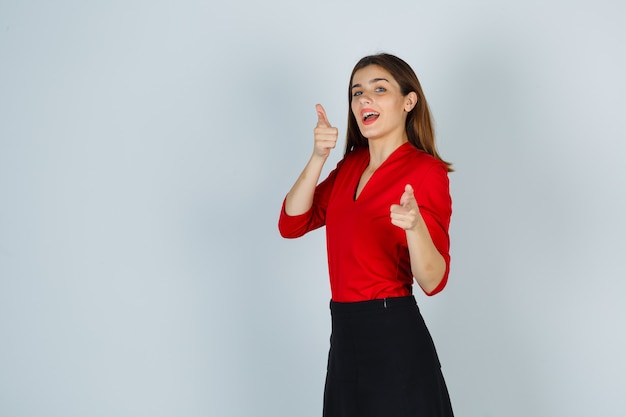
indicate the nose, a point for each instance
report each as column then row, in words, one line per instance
column 364, row 99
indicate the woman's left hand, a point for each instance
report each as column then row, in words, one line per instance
column 406, row 215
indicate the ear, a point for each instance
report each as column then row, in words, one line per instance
column 410, row 101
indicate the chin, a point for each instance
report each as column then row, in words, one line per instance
column 367, row 131
column 369, row 134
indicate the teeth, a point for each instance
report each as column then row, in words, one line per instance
column 368, row 114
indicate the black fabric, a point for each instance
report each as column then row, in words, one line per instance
column 383, row 363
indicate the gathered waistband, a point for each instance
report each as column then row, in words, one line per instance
column 378, row 304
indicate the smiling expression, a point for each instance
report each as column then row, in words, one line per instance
column 378, row 105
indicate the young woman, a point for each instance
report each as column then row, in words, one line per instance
column 386, row 208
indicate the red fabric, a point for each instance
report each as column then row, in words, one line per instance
column 368, row 257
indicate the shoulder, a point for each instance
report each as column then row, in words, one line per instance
column 357, row 154
column 418, row 155
column 349, row 163
column 420, row 162
column 426, row 173
column 354, row 158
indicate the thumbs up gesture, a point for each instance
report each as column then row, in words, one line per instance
column 325, row 136
column 406, row 215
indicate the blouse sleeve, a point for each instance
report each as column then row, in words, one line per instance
column 435, row 203
column 296, row 226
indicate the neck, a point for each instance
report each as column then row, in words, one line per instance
column 381, row 149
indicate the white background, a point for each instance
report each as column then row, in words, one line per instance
column 146, row 147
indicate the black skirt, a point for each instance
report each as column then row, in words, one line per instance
column 383, row 363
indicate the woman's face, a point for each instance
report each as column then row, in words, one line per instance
column 378, row 105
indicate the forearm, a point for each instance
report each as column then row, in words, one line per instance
column 427, row 264
column 300, row 198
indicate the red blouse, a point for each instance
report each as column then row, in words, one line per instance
column 368, row 257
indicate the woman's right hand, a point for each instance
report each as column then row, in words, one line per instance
column 299, row 199
column 325, row 136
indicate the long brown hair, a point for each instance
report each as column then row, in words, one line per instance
column 419, row 125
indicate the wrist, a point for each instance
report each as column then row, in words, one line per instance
column 317, row 158
column 418, row 227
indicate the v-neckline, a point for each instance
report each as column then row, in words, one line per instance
column 357, row 195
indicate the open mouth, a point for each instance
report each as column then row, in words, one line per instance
column 369, row 117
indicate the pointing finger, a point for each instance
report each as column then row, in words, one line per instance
column 408, row 196
column 322, row 120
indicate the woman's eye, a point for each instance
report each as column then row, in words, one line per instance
column 356, row 93
column 380, row 89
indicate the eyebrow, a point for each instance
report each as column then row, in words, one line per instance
column 371, row 82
